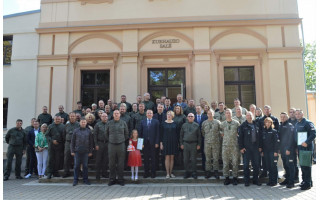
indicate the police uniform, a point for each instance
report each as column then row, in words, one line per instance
column 54, row 132
column 101, row 140
column 295, row 156
column 190, row 138
column 211, row 132
column 230, row 148
column 67, row 136
column 287, row 143
column 116, row 133
column 306, row 126
column 270, row 145
column 17, row 141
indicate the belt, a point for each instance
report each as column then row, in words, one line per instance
column 190, row 142
column 116, row 143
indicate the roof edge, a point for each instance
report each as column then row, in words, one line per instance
column 21, row 13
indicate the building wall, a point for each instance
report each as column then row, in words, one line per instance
column 20, row 78
column 312, row 107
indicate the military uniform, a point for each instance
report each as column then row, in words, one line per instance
column 230, row 148
column 78, row 111
column 45, row 118
column 63, row 115
column 117, row 133
column 26, row 169
column 17, row 141
column 101, row 140
column 179, row 120
column 137, row 119
column 295, row 156
column 211, row 133
column 190, row 110
column 149, row 105
column 190, row 138
column 221, row 116
column 306, row 126
column 54, row 132
column 243, row 111
column 128, row 105
column 67, row 136
column 240, row 119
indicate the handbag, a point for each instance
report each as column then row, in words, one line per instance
column 305, row 158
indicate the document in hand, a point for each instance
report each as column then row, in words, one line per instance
column 140, row 143
column 302, row 137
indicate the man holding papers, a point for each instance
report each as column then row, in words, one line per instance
column 306, row 133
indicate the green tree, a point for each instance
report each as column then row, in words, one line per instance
column 310, row 66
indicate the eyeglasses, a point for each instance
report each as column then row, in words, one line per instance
column 190, row 116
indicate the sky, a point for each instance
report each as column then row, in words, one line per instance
column 307, row 11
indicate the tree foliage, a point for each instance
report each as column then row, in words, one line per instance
column 310, row 66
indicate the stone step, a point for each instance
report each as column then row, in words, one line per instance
column 159, row 173
column 158, row 179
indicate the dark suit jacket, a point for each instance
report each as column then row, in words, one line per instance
column 165, row 110
column 203, row 118
column 152, row 131
column 31, row 138
column 161, row 118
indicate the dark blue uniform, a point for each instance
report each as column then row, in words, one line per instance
column 270, row 145
column 288, row 143
column 306, row 126
column 250, row 139
column 295, row 157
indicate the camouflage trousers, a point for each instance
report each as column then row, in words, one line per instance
column 212, row 152
column 230, row 155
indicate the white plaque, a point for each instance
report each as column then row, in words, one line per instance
column 140, row 143
column 302, row 137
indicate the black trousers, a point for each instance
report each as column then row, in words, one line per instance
column 54, row 152
column 33, row 161
column 253, row 155
column 102, row 159
column 288, row 164
column 149, row 157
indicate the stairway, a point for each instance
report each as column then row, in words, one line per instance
column 178, row 171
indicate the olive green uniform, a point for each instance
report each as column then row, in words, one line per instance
column 54, row 132
column 78, row 111
column 116, row 133
column 190, row 137
column 137, row 119
column 100, row 139
column 17, row 141
column 230, row 147
column 211, row 133
column 128, row 105
column 190, row 110
column 63, row 115
column 149, row 105
column 45, row 118
column 67, row 135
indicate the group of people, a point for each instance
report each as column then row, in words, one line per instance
column 112, row 132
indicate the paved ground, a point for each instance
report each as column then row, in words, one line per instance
column 31, row 189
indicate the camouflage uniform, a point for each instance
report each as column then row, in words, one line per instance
column 220, row 116
column 230, row 148
column 211, row 133
column 240, row 119
column 244, row 111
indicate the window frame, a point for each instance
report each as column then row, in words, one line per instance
column 7, row 38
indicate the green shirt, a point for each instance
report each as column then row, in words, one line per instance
column 190, row 132
column 16, row 137
column 41, row 140
column 117, row 131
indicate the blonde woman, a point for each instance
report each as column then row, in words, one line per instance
column 41, row 148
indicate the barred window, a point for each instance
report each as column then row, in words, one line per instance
column 7, row 49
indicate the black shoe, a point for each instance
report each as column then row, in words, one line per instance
column 227, row 181
column 153, row 175
column 87, row 182
column 75, row 183
column 256, row 183
column 56, row 174
column 263, row 175
column 285, row 182
column 246, row 184
column 65, row 175
column 216, row 174
column 305, row 187
column 6, row 178
column 301, row 184
column 49, row 176
column 290, row 185
column 268, row 184
column 145, row 175
column 235, row 181
column 26, row 173
column 207, row 174
column 273, row 184
column 111, row 182
column 121, row 182
column 194, row 176
column 19, row 177
column 186, row 175
column 98, row 178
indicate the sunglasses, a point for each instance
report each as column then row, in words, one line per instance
column 190, row 116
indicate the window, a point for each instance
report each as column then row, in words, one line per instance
column 239, row 82
column 5, row 112
column 7, row 49
column 166, row 81
column 95, row 86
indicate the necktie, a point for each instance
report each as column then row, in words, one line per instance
column 199, row 119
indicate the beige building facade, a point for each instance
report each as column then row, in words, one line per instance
column 211, row 49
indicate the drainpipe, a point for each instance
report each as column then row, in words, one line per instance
column 303, row 66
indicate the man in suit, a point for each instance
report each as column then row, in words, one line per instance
column 161, row 117
column 149, row 131
column 32, row 154
column 167, row 106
